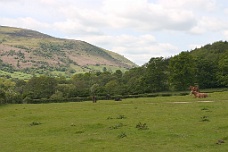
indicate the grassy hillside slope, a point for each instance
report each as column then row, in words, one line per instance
column 32, row 52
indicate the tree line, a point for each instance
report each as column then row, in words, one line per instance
column 159, row 74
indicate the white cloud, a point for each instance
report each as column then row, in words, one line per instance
column 205, row 5
column 226, row 11
column 137, row 15
column 137, row 29
column 225, row 33
column 138, row 49
column 145, row 16
column 211, row 24
column 74, row 27
column 27, row 22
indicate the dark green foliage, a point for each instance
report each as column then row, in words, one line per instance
column 222, row 73
column 166, row 94
column 61, row 100
column 211, row 52
column 155, row 78
column 184, row 93
column 40, row 87
column 2, row 96
column 133, row 80
column 14, row 98
column 6, row 67
column 214, row 57
column 50, row 46
column 182, row 71
column 208, row 69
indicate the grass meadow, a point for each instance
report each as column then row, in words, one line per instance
column 159, row 124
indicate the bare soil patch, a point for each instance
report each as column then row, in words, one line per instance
column 205, row 101
column 180, row 102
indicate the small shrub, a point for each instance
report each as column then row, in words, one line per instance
column 117, row 126
column 122, row 135
column 121, row 117
column 118, row 99
column 79, row 132
column 72, row 124
column 204, row 108
column 204, row 118
column 35, row 123
column 142, row 126
column 220, row 141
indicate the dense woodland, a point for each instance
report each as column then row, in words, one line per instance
column 206, row 67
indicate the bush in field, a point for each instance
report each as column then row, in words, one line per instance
column 142, row 126
column 204, row 118
column 122, row 135
column 35, row 123
column 121, row 117
column 117, row 126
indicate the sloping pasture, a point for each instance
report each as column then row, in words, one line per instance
column 159, row 124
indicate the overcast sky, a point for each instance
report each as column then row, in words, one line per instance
column 136, row 29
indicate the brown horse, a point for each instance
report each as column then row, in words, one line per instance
column 194, row 88
column 199, row 95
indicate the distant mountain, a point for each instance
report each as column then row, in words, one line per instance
column 32, row 52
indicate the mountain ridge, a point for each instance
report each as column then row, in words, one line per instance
column 28, row 50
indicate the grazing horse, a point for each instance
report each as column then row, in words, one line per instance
column 199, row 95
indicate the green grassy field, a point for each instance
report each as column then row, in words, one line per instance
column 174, row 124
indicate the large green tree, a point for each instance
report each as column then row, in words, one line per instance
column 155, row 77
column 82, row 83
column 206, row 73
column 133, row 80
column 7, row 92
column 182, row 69
column 223, row 71
column 40, row 87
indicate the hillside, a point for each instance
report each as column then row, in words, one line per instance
column 213, row 52
column 32, row 52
